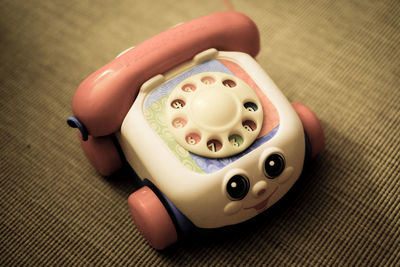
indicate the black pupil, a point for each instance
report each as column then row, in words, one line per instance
column 274, row 165
column 237, row 187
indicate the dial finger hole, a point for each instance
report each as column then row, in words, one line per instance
column 229, row 83
column 188, row 88
column 178, row 104
column 179, row 123
column 249, row 125
column 250, row 106
column 207, row 80
column 214, row 145
column 236, row 140
column 193, row 139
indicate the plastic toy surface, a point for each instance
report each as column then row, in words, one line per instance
column 214, row 141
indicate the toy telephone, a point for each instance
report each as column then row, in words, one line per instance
column 211, row 137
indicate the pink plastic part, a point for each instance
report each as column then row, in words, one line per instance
column 312, row 127
column 151, row 218
column 102, row 154
column 103, row 99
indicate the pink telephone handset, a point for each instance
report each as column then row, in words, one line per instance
column 103, row 99
column 210, row 136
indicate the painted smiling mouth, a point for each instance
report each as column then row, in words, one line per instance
column 262, row 204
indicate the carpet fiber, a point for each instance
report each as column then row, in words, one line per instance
column 341, row 58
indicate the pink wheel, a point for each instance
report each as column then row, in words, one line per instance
column 102, row 154
column 312, row 127
column 151, row 218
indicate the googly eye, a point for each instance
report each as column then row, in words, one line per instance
column 237, row 187
column 274, row 165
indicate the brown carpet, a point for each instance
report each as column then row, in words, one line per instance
column 341, row 58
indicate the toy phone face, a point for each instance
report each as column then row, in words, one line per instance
column 194, row 137
column 210, row 189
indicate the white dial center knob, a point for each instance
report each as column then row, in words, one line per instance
column 214, row 108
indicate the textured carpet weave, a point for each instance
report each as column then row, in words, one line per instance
column 341, row 58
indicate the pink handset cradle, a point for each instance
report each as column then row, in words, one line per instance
column 211, row 137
